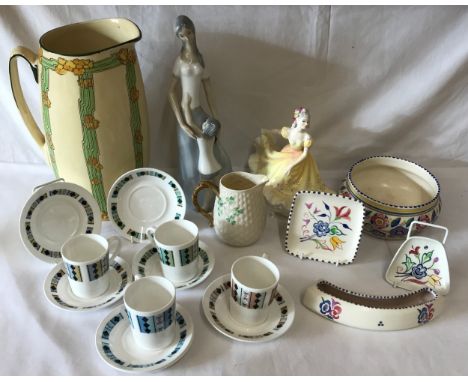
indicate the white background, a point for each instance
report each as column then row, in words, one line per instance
column 377, row 80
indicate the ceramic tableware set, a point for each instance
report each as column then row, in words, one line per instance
column 386, row 197
column 61, row 222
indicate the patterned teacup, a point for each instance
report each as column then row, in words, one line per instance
column 177, row 244
column 254, row 281
column 151, row 307
column 86, row 259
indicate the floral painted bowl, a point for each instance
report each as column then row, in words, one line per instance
column 395, row 192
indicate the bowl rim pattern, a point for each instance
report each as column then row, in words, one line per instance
column 407, row 208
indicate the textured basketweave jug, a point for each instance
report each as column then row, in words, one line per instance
column 239, row 213
column 93, row 102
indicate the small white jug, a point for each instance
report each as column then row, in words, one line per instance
column 239, row 213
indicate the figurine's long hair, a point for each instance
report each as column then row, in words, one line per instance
column 184, row 21
column 300, row 111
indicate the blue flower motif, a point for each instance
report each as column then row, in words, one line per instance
column 325, row 306
column 321, row 228
column 423, row 316
column 419, row 271
column 399, row 231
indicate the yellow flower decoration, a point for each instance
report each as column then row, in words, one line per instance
column 134, row 94
column 60, row 67
column 336, row 242
column 95, row 163
column 76, row 66
column 122, row 56
column 132, row 56
column 434, row 280
column 95, row 181
column 87, row 83
column 138, row 137
column 45, row 99
column 91, row 122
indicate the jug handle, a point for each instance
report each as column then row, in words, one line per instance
column 210, row 186
column 31, row 58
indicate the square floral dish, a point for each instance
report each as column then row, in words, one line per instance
column 324, row 227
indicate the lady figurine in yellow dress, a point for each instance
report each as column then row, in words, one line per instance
column 290, row 170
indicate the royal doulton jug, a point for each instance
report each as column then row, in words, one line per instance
column 239, row 212
column 94, row 114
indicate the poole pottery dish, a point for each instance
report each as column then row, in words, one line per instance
column 324, row 227
column 117, row 347
column 58, row 292
column 419, row 262
column 143, row 198
column 395, row 192
column 147, row 263
column 372, row 312
column 215, row 306
column 55, row 212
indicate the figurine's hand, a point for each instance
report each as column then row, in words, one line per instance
column 188, row 130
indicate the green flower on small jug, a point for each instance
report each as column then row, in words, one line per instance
column 232, row 212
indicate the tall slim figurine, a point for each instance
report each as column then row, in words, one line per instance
column 201, row 156
column 290, row 170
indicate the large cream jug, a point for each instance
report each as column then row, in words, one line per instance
column 93, row 102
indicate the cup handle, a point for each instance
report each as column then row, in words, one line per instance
column 115, row 245
column 47, row 183
column 32, row 59
column 414, row 222
column 202, row 185
column 150, row 233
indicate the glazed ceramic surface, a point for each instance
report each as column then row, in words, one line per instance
column 86, row 258
column 144, row 198
column 215, row 305
column 324, row 227
column 93, row 102
column 58, row 292
column 363, row 311
column 147, row 263
column 201, row 154
column 150, row 304
column 420, row 262
column 239, row 213
column 395, row 192
column 254, row 282
column 177, row 244
column 117, row 347
column 54, row 213
column 289, row 168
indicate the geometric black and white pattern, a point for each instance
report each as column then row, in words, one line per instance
column 249, row 300
column 74, row 272
column 189, row 254
column 98, row 269
column 157, row 323
column 166, row 256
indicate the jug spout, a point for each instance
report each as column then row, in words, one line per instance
column 258, row 179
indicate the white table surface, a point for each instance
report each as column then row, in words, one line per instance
column 38, row 338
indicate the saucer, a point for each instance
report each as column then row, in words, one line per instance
column 55, row 212
column 146, row 263
column 116, row 346
column 58, row 291
column 216, row 308
column 143, row 198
